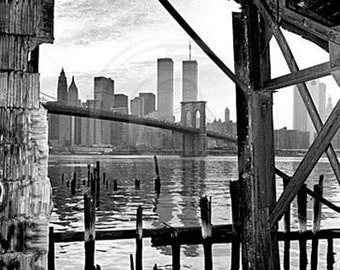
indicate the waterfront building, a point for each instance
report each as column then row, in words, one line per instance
column 291, row 139
column 165, row 88
column 190, row 81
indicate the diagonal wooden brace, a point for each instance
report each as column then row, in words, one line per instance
column 186, row 27
column 313, row 155
column 303, row 90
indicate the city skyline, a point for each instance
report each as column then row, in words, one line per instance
column 124, row 45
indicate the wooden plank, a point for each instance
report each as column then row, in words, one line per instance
column 312, row 156
column 300, row 76
column 194, row 36
column 303, row 90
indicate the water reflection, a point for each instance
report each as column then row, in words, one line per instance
column 184, row 181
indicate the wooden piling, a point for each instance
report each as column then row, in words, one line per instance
column 98, row 168
column 137, row 184
column 115, row 184
column 286, row 255
column 62, row 178
column 205, row 205
column 139, row 239
column 131, row 262
column 90, row 233
column 155, row 267
column 236, row 211
column 73, row 184
column 157, row 179
column 316, row 223
column 51, row 252
column 88, row 175
column 302, row 215
column 104, row 178
column 93, row 183
column 97, row 190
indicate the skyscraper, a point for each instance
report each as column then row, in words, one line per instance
column 226, row 115
column 190, row 81
column 104, row 93
column 136, row 106
column 165, row 88
column 301, row 120
column 148, row 103
column 62, row 94
column 75, row 122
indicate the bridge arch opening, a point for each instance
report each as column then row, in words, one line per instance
column 197, row 119
column 188, row 119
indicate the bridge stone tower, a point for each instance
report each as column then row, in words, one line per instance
column 193, row 115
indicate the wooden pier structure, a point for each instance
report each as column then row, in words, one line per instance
column 25, row 189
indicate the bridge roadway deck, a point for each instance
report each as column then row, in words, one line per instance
column 62, row 109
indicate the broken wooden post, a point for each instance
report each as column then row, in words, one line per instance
column 115, row 185
column 139, row 239
column 93, row 183
column 73, row 184
column 104, row 178
column 90, row 231
column 97, row 190
column 316, row 224
column 131, row 262
column 51, row 263
column 88, row 175
column 137, row 184
column 157, row 179
column 62, row 178
column 205, row 205
column 302, row 215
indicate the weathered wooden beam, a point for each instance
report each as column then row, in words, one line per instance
column 255, row 141
column 312, row 156
column 303, row 90
column 313, row 27
column 311, row 193
column 300, row 76
column 195, row 37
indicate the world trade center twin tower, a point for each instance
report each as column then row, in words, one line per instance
column 165, row 85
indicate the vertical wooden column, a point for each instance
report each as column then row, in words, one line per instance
column 25, row 202
column 255, row 141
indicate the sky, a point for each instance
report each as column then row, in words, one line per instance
column 123, row 39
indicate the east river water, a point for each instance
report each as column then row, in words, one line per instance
column 184, row 181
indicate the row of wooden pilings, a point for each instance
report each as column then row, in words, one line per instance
column 207, row 234
column 93, row 181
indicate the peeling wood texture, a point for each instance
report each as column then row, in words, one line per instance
column 25, row 201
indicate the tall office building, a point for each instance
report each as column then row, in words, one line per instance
column 165, row 88
column 148, row 103
column 301, row 119
column 62, row 94
column 75, row 122
column 104, row 93
column 136, row 106
column 226, row 115
column 120, row 103
column 190, row 81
